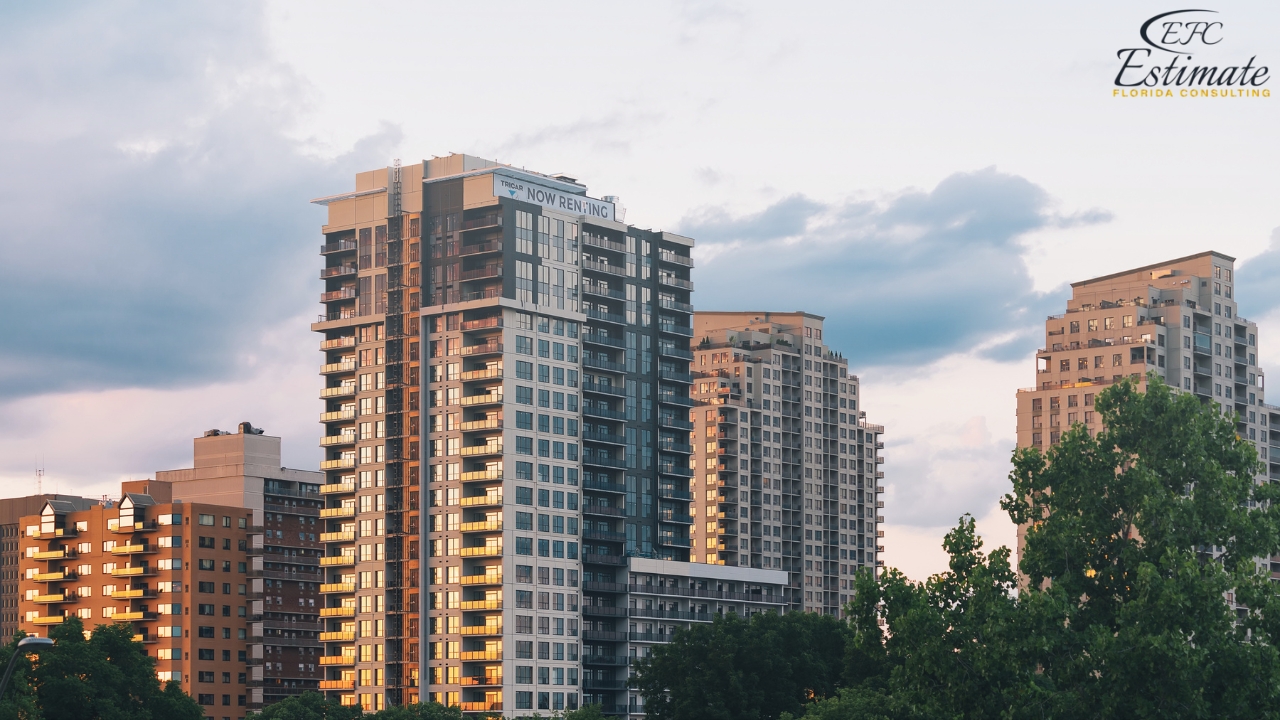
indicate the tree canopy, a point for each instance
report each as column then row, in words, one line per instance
column 1138, row 541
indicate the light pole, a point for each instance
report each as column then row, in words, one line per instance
column 26, row 645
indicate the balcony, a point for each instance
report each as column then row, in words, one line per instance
column 339, row 246
column 674, row 540
column 485, row 374
column 338, row 660
column 132, row 594
column 674, row 329
column 481, row 475
column 473, row 655
column 47, row 620
column 486, row 579
column 338, row 635
column 337, row 271
column 481, row 500
column 481, row 526
column 59, row 554
column 476, row 680
column 338, row 367
column 597, row 266
column 494, row 604
column 339, row 342
column 597, row 559
column 336, row 489
column 671, row 399
column 482, row 399
column 133, row 616
column 341, row 588
column 483, row 273
column 605, row 535
column 335, row 440
column 666, row 492
column 602, row 460
column 348, row 684
column 602, row 290
column 56, row 533
column 675, row 376
column 603, row 510
column 606, row 316
column 483, row 349
column 615, row 660
column 337, row 415
column 345, row 511
column 482, row 630
column 346, row 293
column 486, row 424
column 144, row 638
column 338, row 612
column 55, row 576
column 675, row 282
column 136, row 549
column 338, row 463
column 482, row 551
column 592, row 410
column 677, row 470
column 480, row 248
column 668, row 516
column 141, row 571
column 600, row 437
column 344, row 390
column 603, row 389
column 603, row 486
column 338, row 561
column 480, row 450
column 672, row 351
column 338, row 536
column 598, row 339
column 671, row 421
column 675, row 305
column 480, row 705
column 53, row 599
column 667, row 256
column 592, row 240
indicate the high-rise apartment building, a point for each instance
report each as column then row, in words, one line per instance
column 501, row 343
column 1178, row 319
column 11, row 511
column 215, row 566
column 788, row 468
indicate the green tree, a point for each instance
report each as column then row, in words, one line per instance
column 19, row 701
column 419, row 711
column 1136, row 535
column 307, row 706
column 107, row 676
column 738, row 669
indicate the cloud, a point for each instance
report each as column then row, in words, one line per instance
column 156, row 214
column 906, row 280
column 1256, row 280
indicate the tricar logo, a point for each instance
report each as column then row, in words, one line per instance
column 1167, row 65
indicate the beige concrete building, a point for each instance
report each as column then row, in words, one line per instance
column 787, row 467
column 1179, row 319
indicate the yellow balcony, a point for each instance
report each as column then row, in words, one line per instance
column 482, row 629
column 343, row 439
column 490, row 579
column 481, row 655
column 337, row 560
column 484, row 374
column 337, row 488
column 481, row 501
column 133, row 615
column 338, row 636
column 133, row 571
column 60, row 554
column 140, row 638
column 487, row 551
column 132, row 593
column 495, row 604
column 475, row 680
column 339, row 391
column 486, row 424
column 338, row 464
column 338, row 612
column 338, row 415
column 56, row 576
column 474, row 450
column 481, row 475
column 339, row 512
column 338, row 684
column 47, row 620
column 337, row 587
column 338, row 660
column 481, row 705
column 485, row 399
column 51, row 599
column 339, row 536
column 132, row 549
column 481, row 526
column 337, row 367
column 56, row 533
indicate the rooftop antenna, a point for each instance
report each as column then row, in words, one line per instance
column 40, row 478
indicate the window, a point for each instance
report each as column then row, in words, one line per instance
column 205, row 631
column 524, row 370
column 206, row 520
column 524, row 345
column 524, row 546
column 204, row 654
column 205, row 609
column 524, row 420
column 206, row 564
column 524, row 446
column 206, row 587
column 524, row 395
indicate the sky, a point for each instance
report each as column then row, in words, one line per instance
column 929, row 177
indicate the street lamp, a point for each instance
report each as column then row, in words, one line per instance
column 26, row 645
